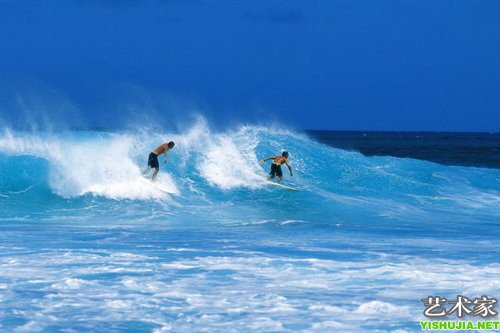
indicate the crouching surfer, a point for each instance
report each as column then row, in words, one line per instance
column 153, row 157
column 278, row 161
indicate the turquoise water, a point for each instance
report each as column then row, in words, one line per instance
column 87, row 245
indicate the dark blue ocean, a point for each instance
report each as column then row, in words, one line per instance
column 448, row 148
column 382, row 221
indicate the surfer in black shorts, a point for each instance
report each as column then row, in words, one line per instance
column 278, row 161
column 153, row 157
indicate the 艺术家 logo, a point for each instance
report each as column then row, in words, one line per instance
column 435, row 306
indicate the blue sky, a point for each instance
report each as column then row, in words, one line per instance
column 332, row 64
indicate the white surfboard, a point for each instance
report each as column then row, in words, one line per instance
column 287, row 188
column 158, row 186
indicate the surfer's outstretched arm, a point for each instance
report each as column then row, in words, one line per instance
column 267, row 159
column 289, row 168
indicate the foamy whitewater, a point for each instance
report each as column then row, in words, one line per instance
column 86, row 245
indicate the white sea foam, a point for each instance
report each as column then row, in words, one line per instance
column 226, row 160
column 244, row 291
column 226, row 165
column 70, row 283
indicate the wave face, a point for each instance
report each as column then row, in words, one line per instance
column 219, row 168
column 212, row 245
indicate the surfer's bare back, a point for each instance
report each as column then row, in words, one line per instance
column 153, row 157
column 278, row 161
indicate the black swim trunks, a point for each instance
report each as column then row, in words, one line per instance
column 276, row 170
column 153, row 161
